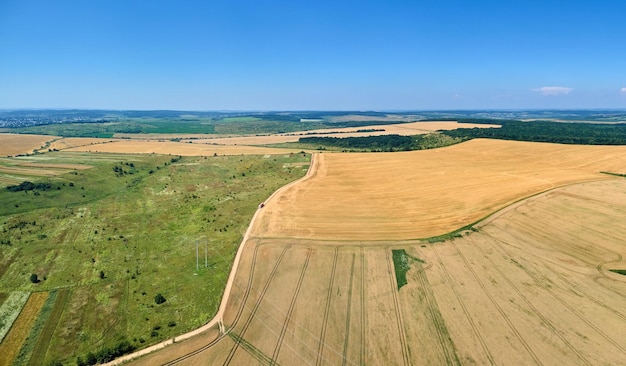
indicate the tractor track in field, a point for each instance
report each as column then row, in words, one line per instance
column 363, row 353
column 320, row 347
column 586, row 294
column 399, row 322
column 465, row 311
column 348, row 313
column 580, row 316
column 291, row 307
column 543, row 319
column 437, row 320
column 257, row 304
column 493, row 301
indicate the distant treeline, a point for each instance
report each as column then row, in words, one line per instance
column 383, row 143
column 545, row 131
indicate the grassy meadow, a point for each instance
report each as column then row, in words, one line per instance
column 104, row 241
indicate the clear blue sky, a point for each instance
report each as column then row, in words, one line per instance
column 313, row 55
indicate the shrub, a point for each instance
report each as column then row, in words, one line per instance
column 159, row 299
column 33, row 278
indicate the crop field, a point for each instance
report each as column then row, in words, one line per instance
column 11, row 144
column 173, row 148
column 534, row 283
column 353, row 264
column 421, row 194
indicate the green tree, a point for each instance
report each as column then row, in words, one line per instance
column 159, row 299
column 34, row 278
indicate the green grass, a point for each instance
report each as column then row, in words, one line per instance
column 139, row 227
column 402, row 264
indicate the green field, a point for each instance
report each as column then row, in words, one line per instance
column 116, row 235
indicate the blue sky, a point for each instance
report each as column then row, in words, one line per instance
column 312, row 55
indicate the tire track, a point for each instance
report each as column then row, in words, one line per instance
column 544, row 320
column 363, row 353
column 400, row 323
column 290, row 311
column 348, row 313
column 437, row 319
column 565, row 303
column 233, row 350
column 465, row 311
column 493, row 301
column 586, row 294
column 320, row 348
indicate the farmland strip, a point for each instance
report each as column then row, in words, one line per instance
column 231, row 354
column 465, row 311
column 493, row 301
column 347, row 337
column 290, row 311
column 402, row 337
column 320, row 348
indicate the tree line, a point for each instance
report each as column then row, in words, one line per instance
column 546, row 131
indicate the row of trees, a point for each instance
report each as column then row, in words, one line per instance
column 547, row 131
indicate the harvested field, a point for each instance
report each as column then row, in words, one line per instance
column 174, row 148
column 13, row 341
column 404, row 129
column 419, row 194
column 72, row 142
column 532, row 286
column 13, row 144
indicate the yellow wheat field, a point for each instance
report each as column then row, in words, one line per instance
column 418, row 194
column 12, row 144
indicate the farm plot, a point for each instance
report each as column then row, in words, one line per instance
column 13, row 144
column 532, row 286
column 302, row 302
column 174, row 148
column 421, row 194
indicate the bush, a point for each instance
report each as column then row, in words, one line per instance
column 33, row 278
column 159, row 299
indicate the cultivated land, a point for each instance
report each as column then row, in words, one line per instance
column 321, row 274
column 421, row 194
column 529, row 285
column 12, row 144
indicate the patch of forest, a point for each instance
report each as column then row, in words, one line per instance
column 545, row 131
column 383, row 143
